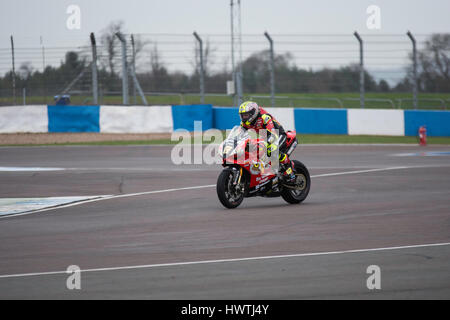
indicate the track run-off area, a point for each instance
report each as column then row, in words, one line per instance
column 141, row 227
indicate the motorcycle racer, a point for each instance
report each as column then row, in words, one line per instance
column 254, row 117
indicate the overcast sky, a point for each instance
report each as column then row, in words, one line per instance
column 29, row 20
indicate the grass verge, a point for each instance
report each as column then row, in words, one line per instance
column 303, row 139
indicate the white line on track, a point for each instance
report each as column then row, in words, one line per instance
column 186, row 188
column 148, row 266
column 204, row 144
column 358, row 171
column 26, row 169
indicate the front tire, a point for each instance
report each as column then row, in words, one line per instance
column 303, row 183
column 230, row 196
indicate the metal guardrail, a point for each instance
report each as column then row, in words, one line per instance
column 340, row 101
column 373, row 100
column 291, row 99
column 442, row 102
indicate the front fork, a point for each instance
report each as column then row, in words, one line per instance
column 236, row 181
column 237, row 177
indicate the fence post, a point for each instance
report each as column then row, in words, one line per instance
column 43, row 69
column 94, row 70
column 413, row 40
column 133, row 61
column 240, row 79
column 235, row 10
column 272, row 70
column 137, row 85
column 13, row 71
column 361, row 69
column 124, row 68
column 202, row 70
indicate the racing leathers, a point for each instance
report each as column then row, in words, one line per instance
column 276, row 139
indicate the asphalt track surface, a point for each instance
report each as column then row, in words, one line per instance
column 180, row 243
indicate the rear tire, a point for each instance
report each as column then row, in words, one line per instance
column 225, row 191
column 303, row 179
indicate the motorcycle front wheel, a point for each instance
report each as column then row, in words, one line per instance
column 230, row 196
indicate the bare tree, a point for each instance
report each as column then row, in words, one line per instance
column 25, row 70
column 434, row 64
column 208, row 58
column 109, row 42
column 139, row 46
column 155, row 61
column 159, row 78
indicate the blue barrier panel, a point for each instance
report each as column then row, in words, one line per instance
column 225, row 117
column 184, row 116
column 73, row 118
column 321, row 121
column 436, row 122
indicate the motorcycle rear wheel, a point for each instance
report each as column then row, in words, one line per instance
column 303, row 181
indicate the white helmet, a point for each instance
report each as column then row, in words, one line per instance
column 248, row 111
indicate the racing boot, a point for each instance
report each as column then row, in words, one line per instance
column 288, row 175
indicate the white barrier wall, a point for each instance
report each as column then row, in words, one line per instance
column 376, row 122
column 285, row 116
column 134, row 119
column 23, row 119
column 159, row 119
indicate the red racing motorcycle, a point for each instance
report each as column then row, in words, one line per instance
column 248, row 172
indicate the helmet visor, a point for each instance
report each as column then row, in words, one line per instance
column 245, row 116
